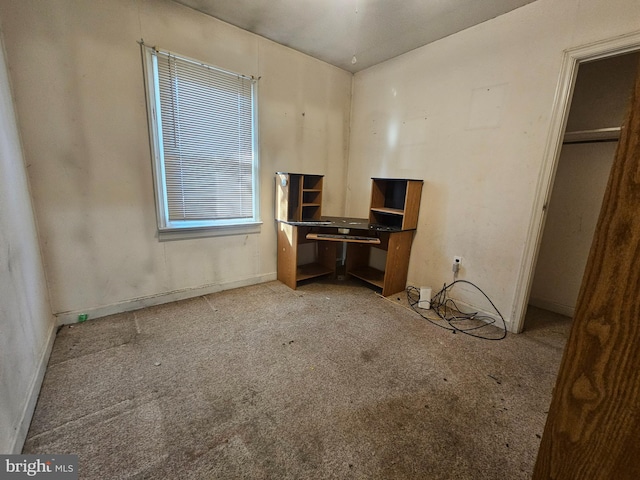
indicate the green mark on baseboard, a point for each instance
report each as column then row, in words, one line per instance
column 83, row 317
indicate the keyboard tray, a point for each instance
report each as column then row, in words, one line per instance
column 338, row 237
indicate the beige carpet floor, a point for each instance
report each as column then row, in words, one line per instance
column 330, row 381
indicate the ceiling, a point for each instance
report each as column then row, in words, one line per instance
column 336, row 31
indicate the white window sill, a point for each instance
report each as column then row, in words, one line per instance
column 168, row 234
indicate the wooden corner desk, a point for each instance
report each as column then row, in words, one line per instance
column 328, row 233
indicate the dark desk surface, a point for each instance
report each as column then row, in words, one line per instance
column 346, row 222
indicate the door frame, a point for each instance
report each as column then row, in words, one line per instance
column 572, row 57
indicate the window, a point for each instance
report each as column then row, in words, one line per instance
column 202, row 122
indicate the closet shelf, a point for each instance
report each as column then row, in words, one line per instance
column 595, row 135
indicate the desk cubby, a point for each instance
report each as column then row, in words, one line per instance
column 298, row 197
column 395, row 202
column 395, row 248
column 293, row 266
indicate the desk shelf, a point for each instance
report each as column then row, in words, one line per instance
column 312, row 270
column 370, row 275
column 388, row 211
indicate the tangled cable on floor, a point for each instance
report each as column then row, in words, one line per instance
column 453, row 319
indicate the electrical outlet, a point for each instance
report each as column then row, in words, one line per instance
column 457, row 260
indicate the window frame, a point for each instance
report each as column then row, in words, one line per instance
column 181, row 229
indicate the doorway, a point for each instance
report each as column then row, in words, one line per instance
column 600, row 99
column 573, row 59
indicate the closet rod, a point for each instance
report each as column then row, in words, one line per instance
column 591, row 136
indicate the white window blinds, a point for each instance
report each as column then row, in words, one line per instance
column 205, row 133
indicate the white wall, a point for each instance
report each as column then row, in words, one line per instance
column 26, row 323
column 470, row 114
column 580, row 182
column 80, row 99
column 602, row 92
column 600, row 98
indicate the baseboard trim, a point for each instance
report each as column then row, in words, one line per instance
column 560, row 308
column 64, row 318
column 20, row 434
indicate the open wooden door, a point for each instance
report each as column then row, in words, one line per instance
column 593, row 426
